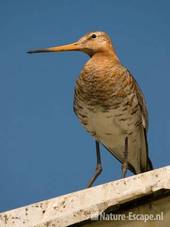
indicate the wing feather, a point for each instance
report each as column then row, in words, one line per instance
column 142, row 104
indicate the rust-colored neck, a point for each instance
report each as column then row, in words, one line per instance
column 108, row 55
column 102, row 61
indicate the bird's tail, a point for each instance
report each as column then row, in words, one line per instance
column 146, row 164
column 150, row 165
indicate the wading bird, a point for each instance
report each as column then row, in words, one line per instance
column 109, row 104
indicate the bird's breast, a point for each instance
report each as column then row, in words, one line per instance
column 105, row 101
column 103, row 88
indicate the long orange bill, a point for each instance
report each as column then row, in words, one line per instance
column 69, row 47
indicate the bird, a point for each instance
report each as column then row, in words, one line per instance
column 109, row 104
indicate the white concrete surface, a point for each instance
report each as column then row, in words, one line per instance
column 88, row 203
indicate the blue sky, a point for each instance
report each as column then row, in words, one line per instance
column 44, row 150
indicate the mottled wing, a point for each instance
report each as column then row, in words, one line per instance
column 145, row 123
column 142, row 105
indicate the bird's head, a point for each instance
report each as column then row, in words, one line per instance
column 91, row 43
column 95, row 42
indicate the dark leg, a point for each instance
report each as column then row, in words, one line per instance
column 125, row 161
column 98, row 166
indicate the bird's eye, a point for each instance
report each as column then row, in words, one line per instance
column 93, row 36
